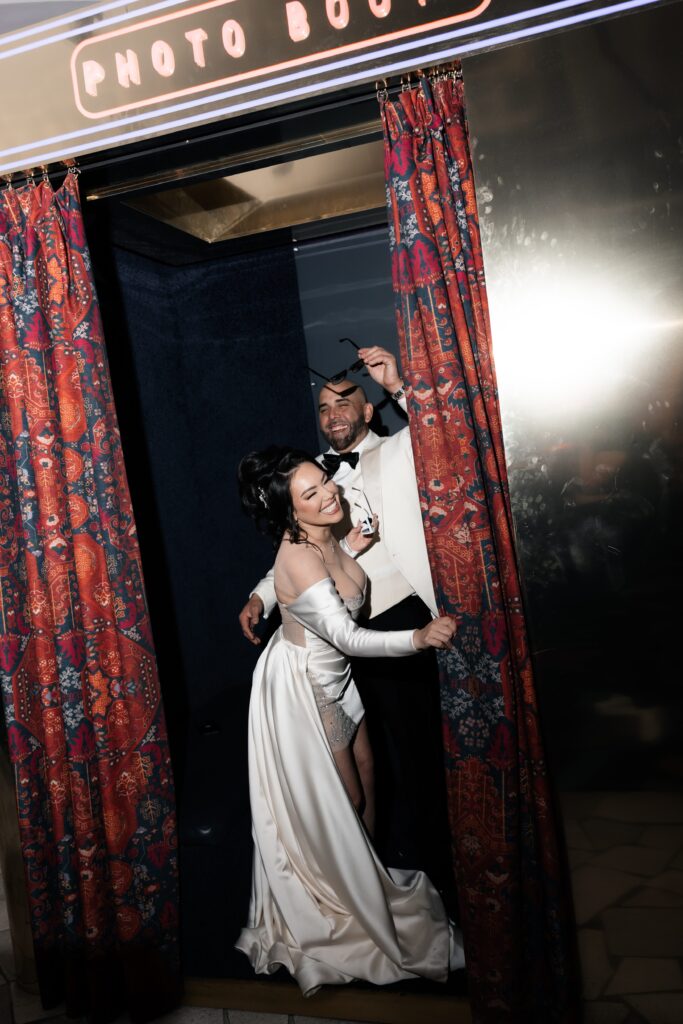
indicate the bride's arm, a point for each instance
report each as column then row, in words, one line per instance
column 318, row 606
column 321, row 610
column 265, row 590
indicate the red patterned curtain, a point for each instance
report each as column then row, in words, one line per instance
column 81, row 697
column 515, row 912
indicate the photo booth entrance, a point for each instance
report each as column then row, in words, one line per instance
column 229, row 262
column 210, row 344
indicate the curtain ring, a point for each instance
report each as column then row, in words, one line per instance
column 406, row 84
column 30, row 179
column 72, row 167
column 382, row 91
column 8, row 181
column 45, row 176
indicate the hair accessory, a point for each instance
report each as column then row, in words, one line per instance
column 262, row 497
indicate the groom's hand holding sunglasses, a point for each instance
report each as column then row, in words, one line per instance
column 382, row 367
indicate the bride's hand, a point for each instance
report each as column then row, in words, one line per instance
column 357, row 541
column 437, row 633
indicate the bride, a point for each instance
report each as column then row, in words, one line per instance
column 322, row 904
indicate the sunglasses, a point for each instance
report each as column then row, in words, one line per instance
column 337, row 378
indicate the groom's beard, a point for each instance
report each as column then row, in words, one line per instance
column 343, row 440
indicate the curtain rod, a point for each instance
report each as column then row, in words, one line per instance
column 438, row 73
column 15, row 179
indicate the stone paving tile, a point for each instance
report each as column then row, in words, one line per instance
column 579, row 857
column 597, row 888
column 645, row 974
column 650, row 897
column 605, row 1013
column 183, row 1015
column 596, row 969
column 27, row 1007
column 579, row 805
column 643, row 931
column 663, row 837
column 605, row 834
column 298, row 1019
column 661, row 1008
column 63, row 1019
column 641, row 808
column 249, row 1017
column 6, row 955
column 192, row 1015
column 640, row 860
column 575, row 837
column 6, row 1015
column 670, row 880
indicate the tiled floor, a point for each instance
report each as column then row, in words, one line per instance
column 6, row 962
column 626, row 853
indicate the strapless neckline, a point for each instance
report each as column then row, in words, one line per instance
column 354, row 603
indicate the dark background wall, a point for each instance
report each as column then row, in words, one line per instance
column 207, row 363
column 345, row 291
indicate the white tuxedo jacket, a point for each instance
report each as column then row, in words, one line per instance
column 388, row 475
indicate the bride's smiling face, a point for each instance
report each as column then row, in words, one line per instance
column 315, row 498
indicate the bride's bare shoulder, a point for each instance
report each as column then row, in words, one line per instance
column 297, row 567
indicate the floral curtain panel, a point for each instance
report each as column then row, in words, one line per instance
column 81, row 697
column 515, row 912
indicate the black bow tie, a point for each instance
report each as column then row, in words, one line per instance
column 332, row 461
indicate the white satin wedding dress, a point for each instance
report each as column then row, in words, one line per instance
column 322, row 904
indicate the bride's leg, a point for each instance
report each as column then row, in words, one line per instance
column 365, row 766
column 346, row 766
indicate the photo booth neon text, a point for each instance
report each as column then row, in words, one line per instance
column 206, row 45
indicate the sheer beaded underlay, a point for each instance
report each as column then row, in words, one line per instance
column 339, row 727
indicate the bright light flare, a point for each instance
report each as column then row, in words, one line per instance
column 569, row 345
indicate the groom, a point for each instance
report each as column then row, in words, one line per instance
column 400, row 695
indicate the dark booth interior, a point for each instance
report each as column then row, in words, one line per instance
column 209, row 360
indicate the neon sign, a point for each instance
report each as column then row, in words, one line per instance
column 124, row 71
column 223, row 42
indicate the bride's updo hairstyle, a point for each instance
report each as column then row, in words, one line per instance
column 264, row 478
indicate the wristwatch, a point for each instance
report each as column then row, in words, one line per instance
column 399, row 393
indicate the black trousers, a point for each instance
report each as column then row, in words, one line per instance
column 401, row 699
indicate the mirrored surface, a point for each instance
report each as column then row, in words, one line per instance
column 577, row 147
column 280, row 195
